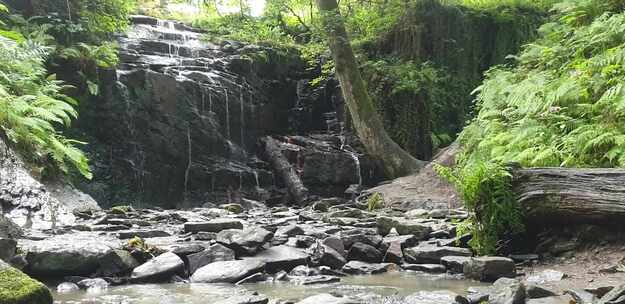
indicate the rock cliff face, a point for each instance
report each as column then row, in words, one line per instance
column 179, row 120
column 34, row 204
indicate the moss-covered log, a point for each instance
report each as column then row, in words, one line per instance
column 561, row 195
column 395, row 161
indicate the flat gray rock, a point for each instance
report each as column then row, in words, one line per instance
column 357, row 267
column 215, row 253
column 489, row 269
column 244, row 241
column 281, row 258
column 215, row 225
column 161, row 267
column 433, row 254
column 227, row 271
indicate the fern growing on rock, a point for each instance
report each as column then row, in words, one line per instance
column 33, row 108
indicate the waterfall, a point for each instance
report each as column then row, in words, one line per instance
column 227, row 114
column 242, row 116
column 357, row 162
column 203, row 98
column 186, row 171
column 240, row 180
column 210, row 101
column 256, row 179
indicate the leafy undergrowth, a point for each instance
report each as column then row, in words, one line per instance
column 561, row 104
column 34, row 108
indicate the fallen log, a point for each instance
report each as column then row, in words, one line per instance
column 279, row 162
column 563, row 195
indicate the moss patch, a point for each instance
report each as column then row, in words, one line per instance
column 18, row 288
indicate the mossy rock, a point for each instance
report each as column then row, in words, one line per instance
column 121, row 210
column 18, row 288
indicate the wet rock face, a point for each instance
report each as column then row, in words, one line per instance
column 180, row 115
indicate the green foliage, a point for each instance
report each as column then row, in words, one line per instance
column 138, row 244
column 486, row 191
column 32, row 108
column 561, row 104
column 375, row 201
column 494, row 4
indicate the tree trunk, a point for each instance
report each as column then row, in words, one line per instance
column 559, row 195
column 395, row 161
column 296, row 187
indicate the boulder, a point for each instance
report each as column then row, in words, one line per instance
column 615, row 296
column 455, row 264
column 489, row 269
column 290, row 230
column 8, row 229
column 428, row 268
column 162, row 267
column 67, row 287
column 227, row 271
column 93, row 285
column 66, row 255
column 215, row 225
column 564, row 299
column 358, row 267
column 404, row 227
column 281, row 258
column 326, row 255
column 581, row 296
column 144, row 234
column 546, row 276
column 404, row 240
column 214, row 253
column 7, row 249
column 18, row 288
column 365, row 253
column 432, row 254
column 336, row 244
column 365, row 236
column 507, row 291
column 394, row 253
column 244, row 241
column 533, row 291
column 117, row 262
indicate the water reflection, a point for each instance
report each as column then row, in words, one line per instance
column 398, row 283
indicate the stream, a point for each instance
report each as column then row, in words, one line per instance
column 361, row 286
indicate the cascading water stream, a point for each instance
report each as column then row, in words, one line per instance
column 227, row 114
column 242, row 116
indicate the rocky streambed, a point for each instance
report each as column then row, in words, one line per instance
column 334, row 251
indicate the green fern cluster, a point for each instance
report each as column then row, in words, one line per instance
column 563, row 104
column 32, row 108
column 486, row 191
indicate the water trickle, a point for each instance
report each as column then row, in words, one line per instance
column 240, row 180
column 357, row 162
column 203, row 99
column 242, row 110
column 210, row 101
column 186, row 171
column 256, row 179
column 227, row 114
